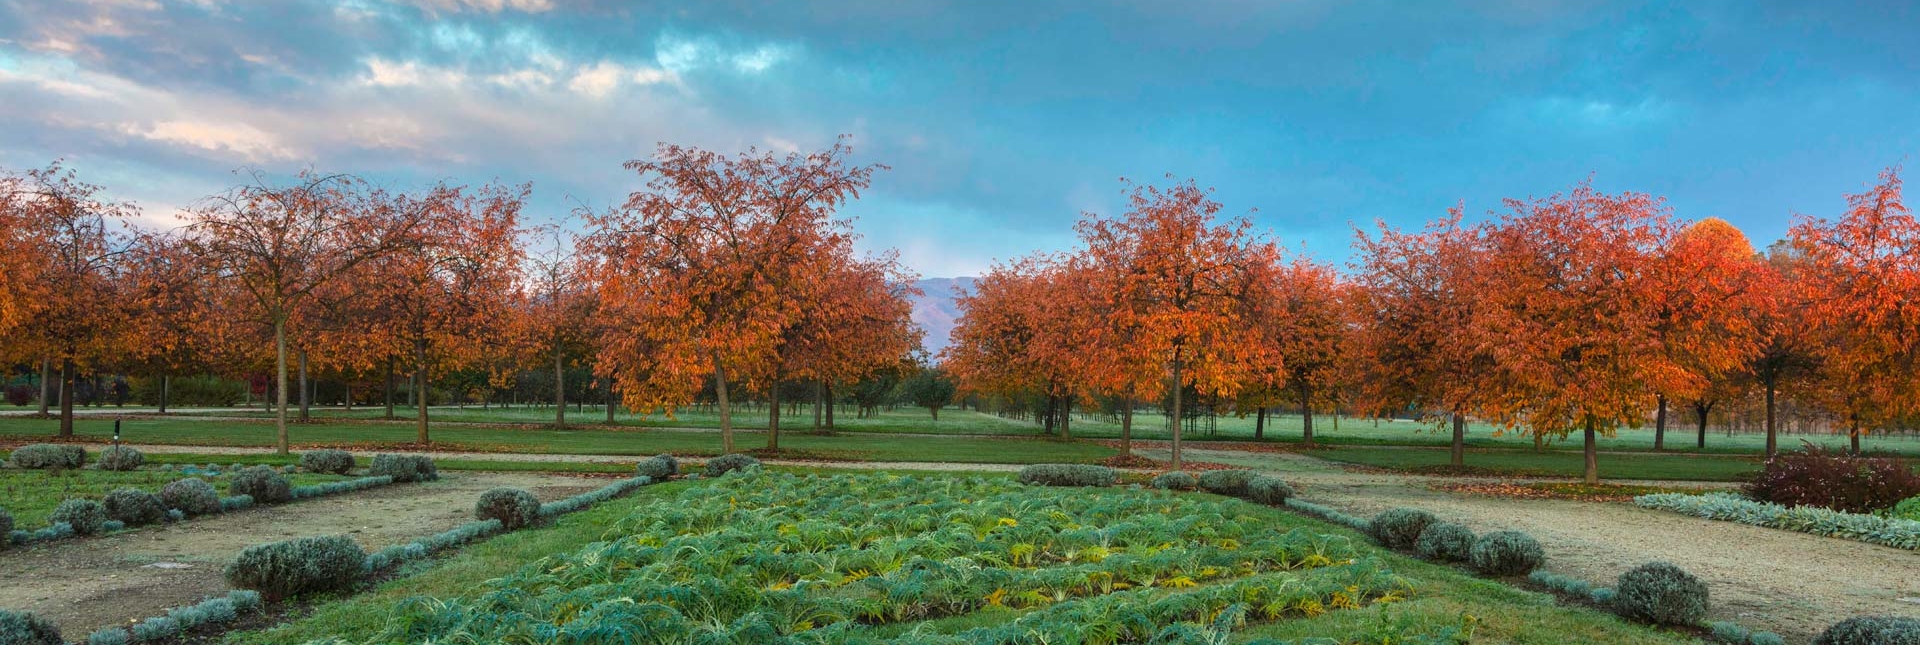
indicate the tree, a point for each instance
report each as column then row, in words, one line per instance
column 1859, row 275
column 1186, row 279
column 1111, row 342
column 166, row 290
column 705, row 265
column 929, row 388
column 1020, row 334
column 1568, row 314
column 556, row 321
column 1703, row 308
column 276, row 244
column 1299, row 316
column 856, row 319
column 1786, row 351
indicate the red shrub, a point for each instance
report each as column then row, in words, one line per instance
column 19, row 394
column 1818, row 477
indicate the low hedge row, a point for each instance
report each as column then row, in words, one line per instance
column 1067, row 475
column 1885, row 531
column 1658, row 593
column 217, row 610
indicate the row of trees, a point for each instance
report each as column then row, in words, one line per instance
column 720, row 271
column 1580, row 312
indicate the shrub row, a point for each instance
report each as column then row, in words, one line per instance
column 1176, row 480
column 1658, row 593
column 402, row 553
column 1500, row 553
column 217, row 610
column 27, row 628
column 48, row 455
column 1733, row 633
column 1067, row 475
column 1886, row 531
column 1232, row 483
column 589, row 498
column 1831, row 479
column 334, row 488
column 1331, row 514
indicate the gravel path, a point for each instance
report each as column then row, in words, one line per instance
column 1787, row 582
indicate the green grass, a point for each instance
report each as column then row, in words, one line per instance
column 31, row 495
column 1554, row 463
column 1444, row 596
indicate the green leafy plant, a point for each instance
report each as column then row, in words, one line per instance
column 262, row 483
column 1399, row 528
column 135, row 507
column 297, row 566
column 1661, row 593
column 337, row 462
column 513, row 507
column 1506, row 553
column 1445, row 542
column 1232, row 483
column 1067, row 475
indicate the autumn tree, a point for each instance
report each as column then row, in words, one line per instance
column 1567, row 299
column 1418, row 344
column 1298, row 314
column 704, row 266
column 1115, row 364
column 1185, row 277
column 1702, row 300
column 1860, row 274
column 1787, row 347
column 856, row 318
column 1019, row 335
column 556, row 322
column 171, row 300
column 17, row 255
column 276, row 244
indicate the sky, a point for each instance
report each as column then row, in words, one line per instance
column 1002, row 122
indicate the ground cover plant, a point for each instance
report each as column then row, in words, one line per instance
column 1890, row 531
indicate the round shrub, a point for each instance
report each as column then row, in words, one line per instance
column 724, row 464
column 1660, row 593
column 1445, row 542
column 48, row 455
column 404, row 469
column 1067, row 475
column 1176, row 480
column 193, row 496
column 514, row 507
column 659, row 467
column 1232, row 483
column 337, row 462
column 1269, row 490
column 1399, row 528
column 262, row 483
column 283, row 569
column 135, row 507
column 121, row 458
column 1506, row 553
column 87, row 517
column 1872, row 630
column 27, row 628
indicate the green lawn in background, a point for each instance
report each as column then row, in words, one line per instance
column 31, row 495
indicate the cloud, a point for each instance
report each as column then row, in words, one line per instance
column 242, row 140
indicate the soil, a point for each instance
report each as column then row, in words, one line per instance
column 89, row 583
column 1790, row 583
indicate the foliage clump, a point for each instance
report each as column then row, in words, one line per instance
column 262, row 483
column 27, row 628
column 1067, row 475
column 514, row 507
column 1660, row 593
column 1445, row 542
column 659, row 467
column 135, row 507
column 48, row 455
column 1176, row 480
column 302, row 565
column 1872, row 630
column 1269, row 490
column 84, row 516
column 1506, row 553
column 1816, row 476
column 724, row 464
column 1400, row 528
column 336, row 462
column 404, row 469
column 1232, row 483
column 121, row 458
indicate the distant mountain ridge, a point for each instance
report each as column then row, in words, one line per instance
column 936, row 310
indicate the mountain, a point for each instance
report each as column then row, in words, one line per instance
column 935, row 310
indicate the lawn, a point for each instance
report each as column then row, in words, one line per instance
column 776, row 557
column 1553, row 463
column 31, row 495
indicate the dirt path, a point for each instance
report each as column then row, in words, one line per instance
column 85, row 584
column 1791, row 583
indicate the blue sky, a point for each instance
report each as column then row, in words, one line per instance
column 1002, row 121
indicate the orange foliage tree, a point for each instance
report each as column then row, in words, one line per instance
column 1786, row 352
column 1859, row 275
column 1299, row 314
column 1115, row 366
column 1020, row 333
column 556, row 320
column 1703, row 303
column 167, row 291
column 856, row 321
column 705, row 267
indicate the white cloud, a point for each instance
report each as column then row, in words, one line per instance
column 252, row 144
column 680, row 55
column 485, row 6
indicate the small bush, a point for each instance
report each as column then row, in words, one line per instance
column 1067, row 475
column 84, row 516
column 724, row 464
column 1815, row 476
column 1176, row 480
column 1232, row 483
column 48, row 455
column 1399, row 528
column 120, row 458
column 302, row 565
column 109, row 636
column 1907, row 509
column 659, row 467
column 245, row 601
column 135, row 507
column 1872, row 630
column 1269, row 490
column 1660, row 593
column 20, row 394
column 27, row 628
column 514, row 507
column 1506, row 553
column 156, row 628
column 262, row 483
column 193, row 496
column 233, row 503
column 404, row 469
column 337, row 462
column 1445, row 542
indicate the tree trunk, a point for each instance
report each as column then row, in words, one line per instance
column 773, row 416
column 1459, row 448
column 1773, row 445
column 306, row 399
column 1592, row 452
column 420, row 391
column 1702, row 408
column 559, row 392
column 163, row 393
column 818, row 401
column 1176, row 410
column 1306, row 415
column 280, row 380
column 1660, row 423
column 726, row 414
column 348, row 385
column 1260, row 423
column 389, row 388
column 1126, row 427
column 829, row 390
column 46, row 390
column 1853, row 435
column 67, row 381
column 611, row 401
